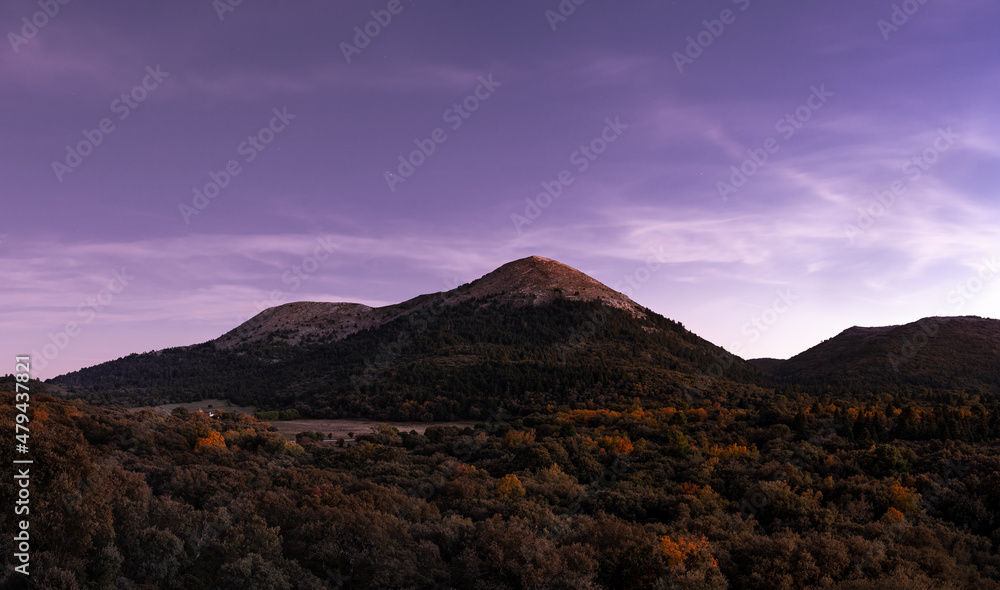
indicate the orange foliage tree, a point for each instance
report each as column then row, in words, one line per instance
column 509, row 488
column 214, row 439
column 618, row 444
column 683, row 554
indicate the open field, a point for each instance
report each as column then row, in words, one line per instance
column 333, row 428
column 341, row 428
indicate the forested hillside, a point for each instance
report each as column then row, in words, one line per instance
column 936, row 353
column 790, row 491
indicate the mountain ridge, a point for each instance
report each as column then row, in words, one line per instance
column 533, row 280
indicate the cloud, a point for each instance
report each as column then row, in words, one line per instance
column 254, row 83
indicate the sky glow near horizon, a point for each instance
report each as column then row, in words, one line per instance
column 608, row 138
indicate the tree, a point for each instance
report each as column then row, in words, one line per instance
column 885, row 460
column 509, row 488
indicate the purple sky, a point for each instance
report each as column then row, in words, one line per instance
column 764, row 264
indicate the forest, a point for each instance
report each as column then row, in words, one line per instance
column 743, row 488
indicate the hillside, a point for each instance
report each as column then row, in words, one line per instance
column 531, row 333
column 933, row 353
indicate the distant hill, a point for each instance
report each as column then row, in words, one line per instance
column 934, row 353
column 533, row 332
column 765, row 364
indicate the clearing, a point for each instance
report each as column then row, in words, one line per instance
column 333, row 428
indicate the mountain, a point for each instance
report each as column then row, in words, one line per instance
column 934, row 353
column 534, row 332
column 530, row 281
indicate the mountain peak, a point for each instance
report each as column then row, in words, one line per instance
column 536, row 260
column 535, row 280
